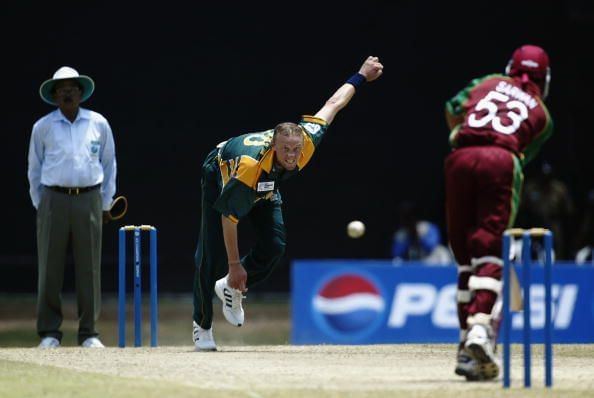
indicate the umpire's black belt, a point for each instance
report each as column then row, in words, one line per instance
column 73, row 190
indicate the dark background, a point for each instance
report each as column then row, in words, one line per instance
column 174, row 80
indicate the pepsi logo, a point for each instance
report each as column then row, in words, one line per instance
column 349, row 304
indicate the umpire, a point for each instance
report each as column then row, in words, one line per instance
column 72, row 173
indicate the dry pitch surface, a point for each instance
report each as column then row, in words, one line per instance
column 278, row 371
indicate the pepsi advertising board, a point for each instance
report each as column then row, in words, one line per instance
column 375, row 302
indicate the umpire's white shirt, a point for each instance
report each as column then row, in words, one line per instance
column 77, row 154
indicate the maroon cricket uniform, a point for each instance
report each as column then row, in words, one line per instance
column 505, row 123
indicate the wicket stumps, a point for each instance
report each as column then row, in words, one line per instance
column 137, row 284
column 527, row 235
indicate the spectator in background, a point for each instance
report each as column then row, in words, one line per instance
column 547, row 202
column 585, row 237
column 418, row 240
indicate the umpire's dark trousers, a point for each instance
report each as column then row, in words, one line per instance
column 62, row 218
column 266, row 219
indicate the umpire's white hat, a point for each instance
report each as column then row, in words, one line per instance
column 65, row 72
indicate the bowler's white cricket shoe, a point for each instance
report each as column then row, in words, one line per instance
column 92, row 342
column 479, row 345
column 231, row 298
column 203, row 340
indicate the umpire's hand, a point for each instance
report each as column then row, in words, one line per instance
column 106, row 217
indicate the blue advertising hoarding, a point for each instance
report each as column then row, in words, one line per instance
column 375, row 302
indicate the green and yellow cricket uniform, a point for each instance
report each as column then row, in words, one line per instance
column 241, row 181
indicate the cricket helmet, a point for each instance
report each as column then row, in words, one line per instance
column 532, row 62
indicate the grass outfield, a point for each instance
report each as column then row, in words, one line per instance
column 20, row 379
column 267, row 321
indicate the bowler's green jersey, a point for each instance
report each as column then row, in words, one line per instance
column 247, row 170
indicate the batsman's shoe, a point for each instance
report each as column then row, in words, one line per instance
column 203, row 340
column 231, row 298
column 466, row 366
column 92, row 342
column 479, row 345
column 49, row 342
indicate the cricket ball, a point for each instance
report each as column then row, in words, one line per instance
column 355, row 229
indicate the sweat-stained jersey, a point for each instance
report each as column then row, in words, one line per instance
column 247, row 170
column 499, row 110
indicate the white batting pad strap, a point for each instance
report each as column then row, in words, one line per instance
column 486, row 259
column 479, row 318
column 464, row 268
column 463, row 296
column 496, row 310
column 484, row 283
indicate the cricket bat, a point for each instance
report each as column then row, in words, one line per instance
column 516, row 303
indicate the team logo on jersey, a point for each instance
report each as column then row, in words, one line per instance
column 95, row 146
column 349, row 305
column 265, row 186
column 311, row 128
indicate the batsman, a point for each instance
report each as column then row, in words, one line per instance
column 240, row 181
column 498, row 123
